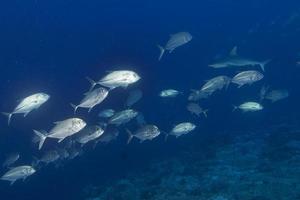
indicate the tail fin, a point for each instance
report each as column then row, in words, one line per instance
column 92, row 82
column 162, row 51
column 130, row 136
column 263, row 64
column 75, row 108
column 42, row 137
column 205, row 113
column 234, row 108
column 8, row 115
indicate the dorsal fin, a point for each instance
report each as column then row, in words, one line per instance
column 233, row 51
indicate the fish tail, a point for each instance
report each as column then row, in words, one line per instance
column 8, row 115
column 162, row 51
column 263, row 64
column 234, row 108
column 75, row 108
column 92, row 82
column 130, row 136
column 42, row 137
column 205, row 113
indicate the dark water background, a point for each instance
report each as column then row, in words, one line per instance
column 51, row 46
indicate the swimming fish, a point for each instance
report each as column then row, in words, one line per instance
column 92, row 99
column 88, row 134
column 119, row 78
column 28, row 104
column 21, row 172
column 106, row 113
column 182, row 129
column 61, row 130
column 123, row 117
column 11, row 159
column 133, row 97
column 175, row 40
column 249, row 107
column 196, row 109
column 276, row 95
column 169, row 93
column 235, row 60
column 147, row 132
column 216, row 83
column 247, row 77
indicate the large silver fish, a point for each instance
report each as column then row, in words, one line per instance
column 147, row 132
column 21, row 172
column 182, row 129
column 249, row 107
column 88, row 134
column 247, row 77
column 123, row 117
column 92, row 99
column 28, row 104
column 176, row 40
column 216, row 83
column 119, row 78
column 61, row 130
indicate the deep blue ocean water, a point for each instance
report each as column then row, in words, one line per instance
column 52, row 46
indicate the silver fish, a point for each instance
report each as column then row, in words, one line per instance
column 249, row 107
column 61, row 130
column 123, row 117
column 49, row 157
column 147, row 132
column 106, row 113
column 28, row 104
column 133, row 97
column 176, row 40
column 92, row 99
column 216, row 83
column 11, row 159
column 276, row 95
column 196, row 109
column 247, row 77
column 120, row 78
column 88, row 134
column 196, row 95
column 21, row 172
column 182, row 129
column 169, row 93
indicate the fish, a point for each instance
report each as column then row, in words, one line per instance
column 196, row 95
column 146, row 132
column 106, row 113
column 48, row 157
column 28, row 104
column 182, row 129
column 175, row 40
column 216, row 83
column 133, row 97
column 263, row 92
column 234, row 60
column 61, row 130
column 115, row 79
column 169, row 93
column 92, row 99
column 122, row 117
column 109, row 135
column 196, row 109
column 249, row 107
column 247, row 77
column 16, row 173
column 88, row 134
column 276, row 95
column 11, row 159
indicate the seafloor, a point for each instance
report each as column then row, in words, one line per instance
column 240, row 165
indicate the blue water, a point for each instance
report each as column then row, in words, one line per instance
column 52, row 46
